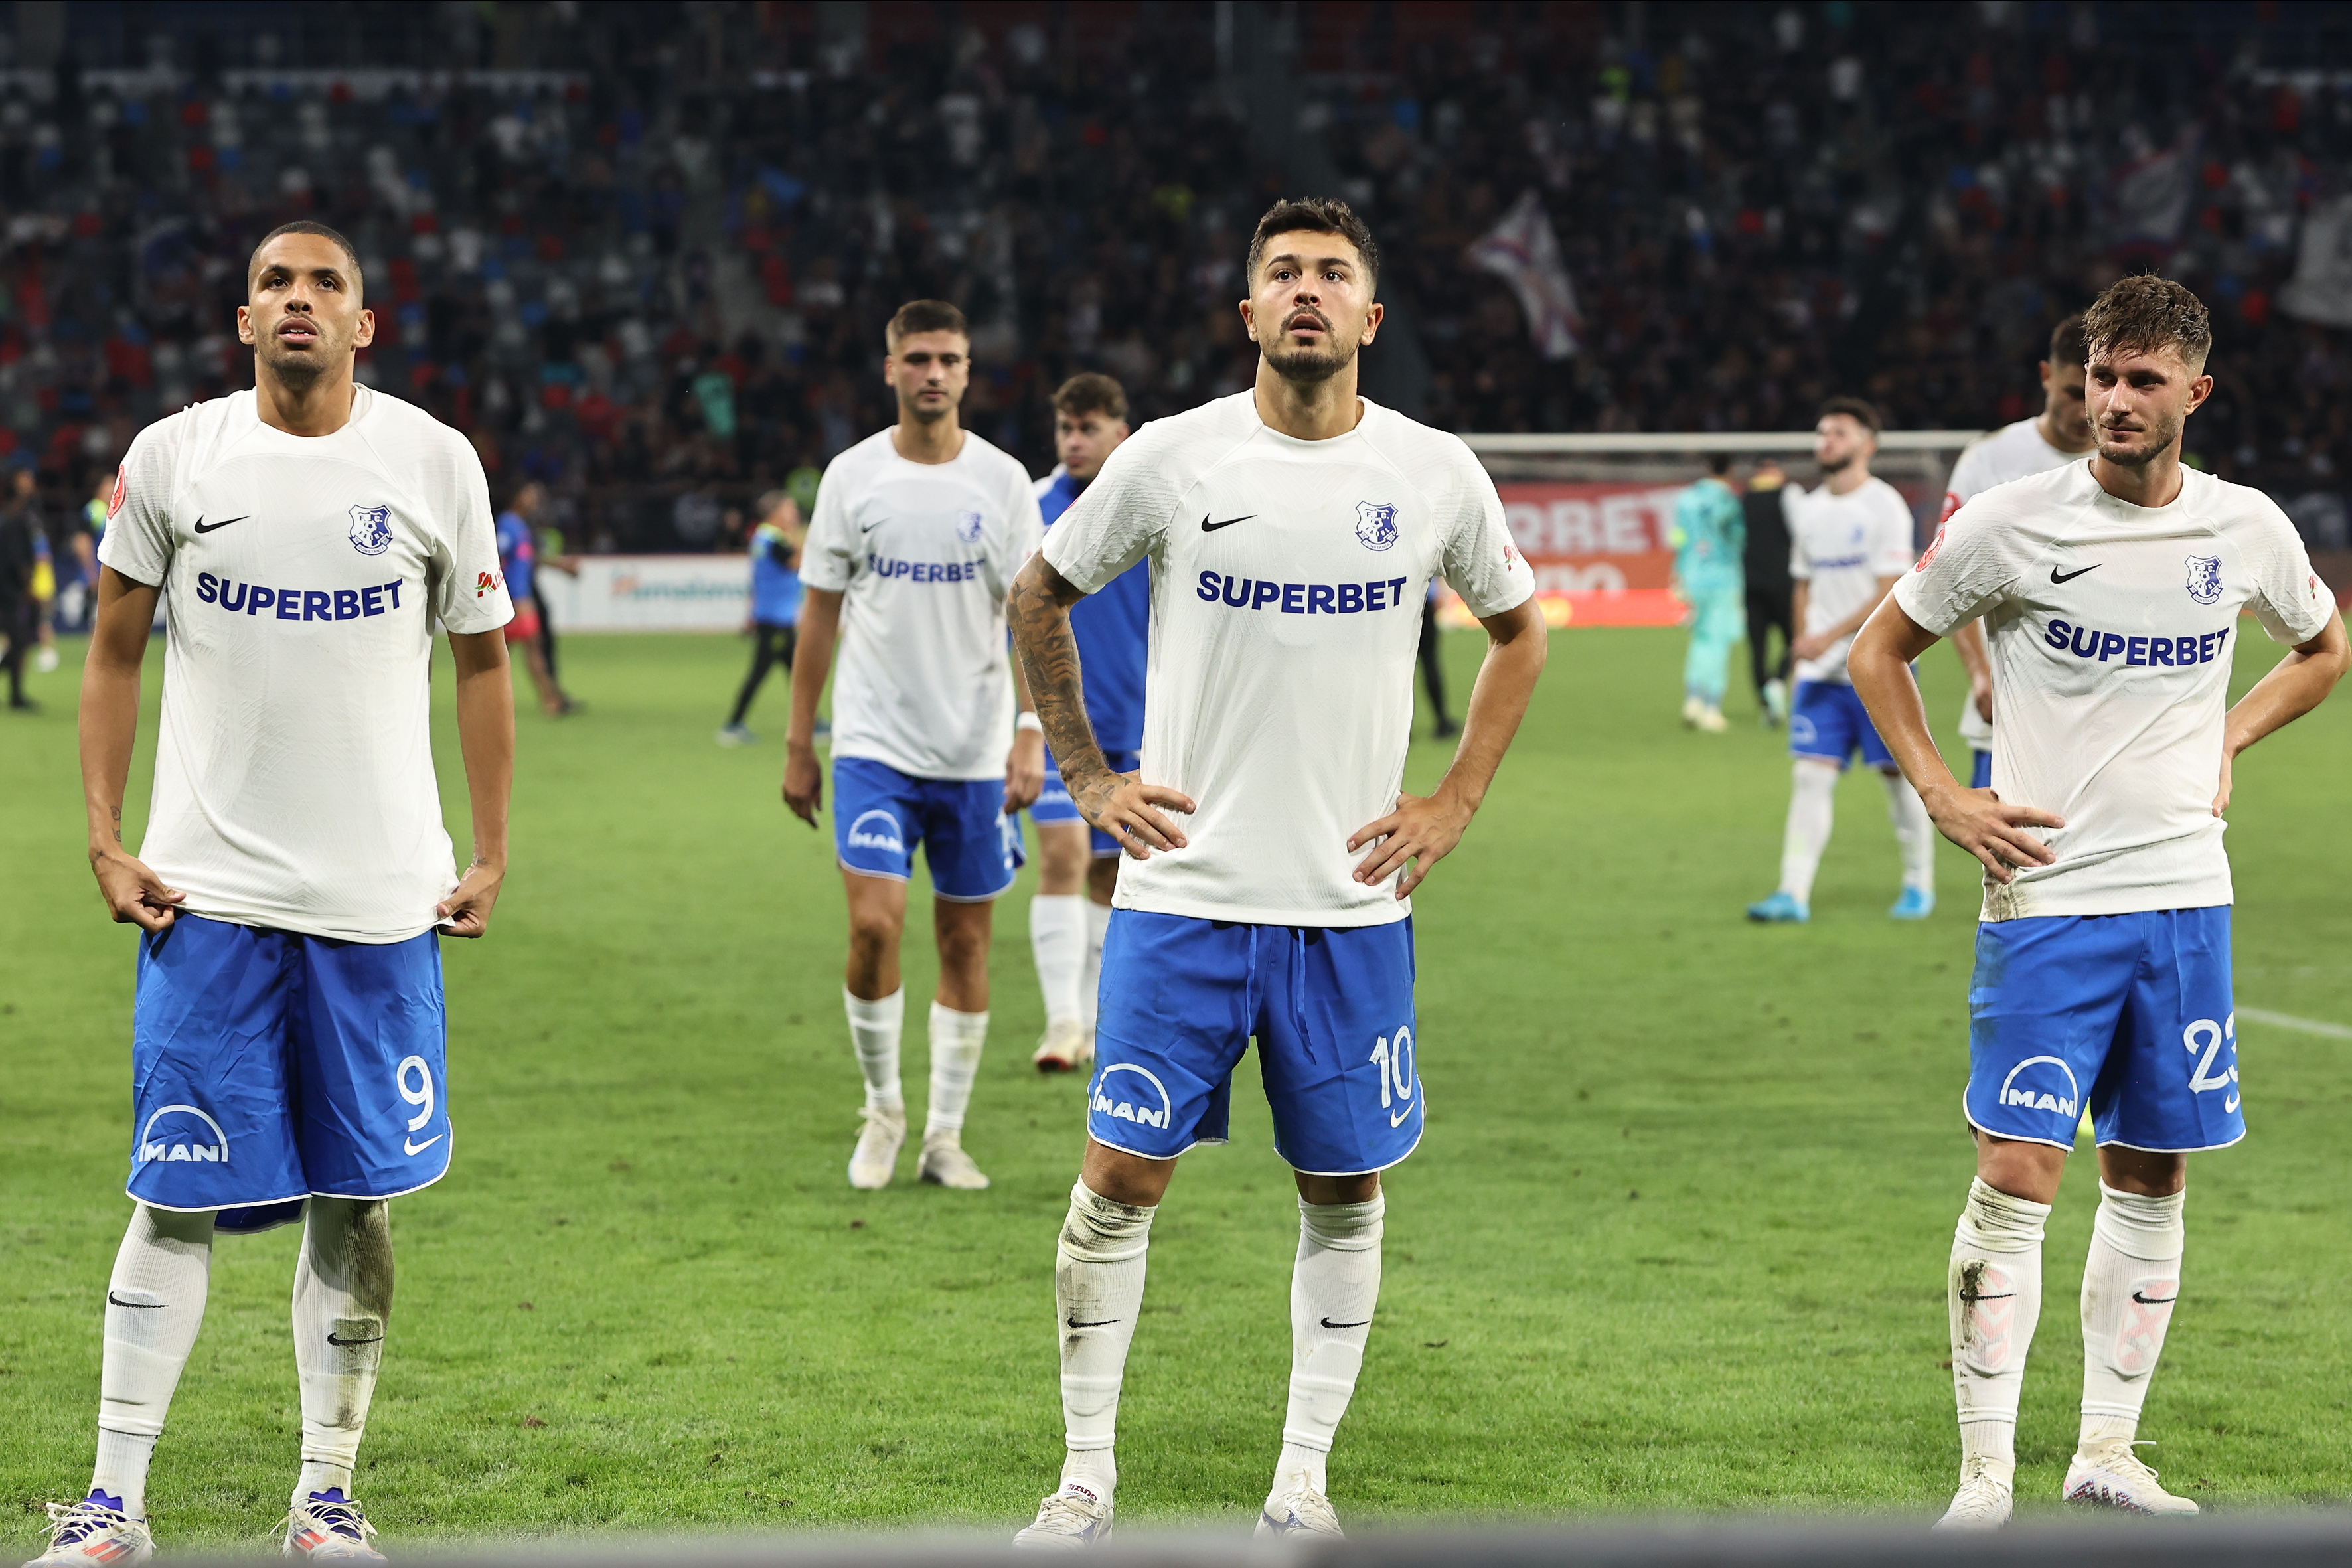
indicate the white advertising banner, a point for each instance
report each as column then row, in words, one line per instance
column 650, row 594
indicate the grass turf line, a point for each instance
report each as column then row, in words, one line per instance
column 1676, row 1237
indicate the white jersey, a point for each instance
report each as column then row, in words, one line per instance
column 2011, row 452
column 923, row 554
column 1287, row 579
column 1839, row 547
column 2110, row 627
column 302, row 577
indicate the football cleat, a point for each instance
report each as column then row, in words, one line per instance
column 1711, row 719
column 1776, row 704
column 94, row 1530
column 328, row 1526
column 1067, row 1046
column 1692, row 708
column 1070, row 1521
column 735, row 735
column 45, row 662
column 2114, row 1478
column 1298, row 1515
column 1780, row 910
column 1914, row 904
column 944, row 1162
column 876, row 1158
column 1982, row 1502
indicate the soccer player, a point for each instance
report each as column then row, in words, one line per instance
column 295, row 880
column 1707, row 536
column 518, row 562
column 2111, row 591
column 775, row 604
column 1850, row 540
column 2059, row 435
column 1292, row 529
column 1770, row 592
column 1066, row 927
column 918, row 532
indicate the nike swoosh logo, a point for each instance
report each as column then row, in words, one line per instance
column 420, row 1148
column 1208, row 526
column 1398, row 1119
column 333, row 1340
column 1357, row 1324
column 114, row 1300
column 2230, row 1105
column 2057, row 576
column 1102, row 1325
column 2004, row 1295
column 2154, row 1301
column 203, row 527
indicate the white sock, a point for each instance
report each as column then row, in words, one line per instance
column 1812, row 804
column 1097, row 1293
column 2129, row 1282
column 1915, row 835
column 956, row 1040
column 1333, row 1289
column 873, row 1028
column 1090, row 982
column 1058, row 939
column 1994, row 1293
column 343, row 1295
column 154, row 1305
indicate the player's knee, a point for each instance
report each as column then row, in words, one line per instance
column 1103, row 1230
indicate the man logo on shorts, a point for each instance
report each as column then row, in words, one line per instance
column 876, row 830
column 189, row 1134
column 1143, row 1115
column 2046, row 1096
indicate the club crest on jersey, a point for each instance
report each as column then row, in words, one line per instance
column 1376, row 524
column 370, row 529
column 2205, row 578
column 968, row 526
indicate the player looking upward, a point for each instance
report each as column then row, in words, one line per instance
column 1850, row 540
column 288, row 1030
column 1707, row 539
column 917, row 532
column 1292, row 530
column 1066, row 925
column 2110, row 592
column 2059, row 435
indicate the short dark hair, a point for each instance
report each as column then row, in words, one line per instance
column 307, row 225
column 2066, row 342
column 1090, row 392
column 2145, row 314
column 924, row 316
column 1857, row 408
column 1314, row 214
column 1719, row 463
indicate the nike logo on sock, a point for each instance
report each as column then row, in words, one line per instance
column 420, row 1148
column 2154, row 1301
column 333, row 1340
column 1105, row 1324
column 1208, row 526
column 2058, row 576
column 114, row 1300
column 1330, row 1324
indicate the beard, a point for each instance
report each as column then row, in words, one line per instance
column 301, row 367
column 2160, row 435
column 1838, row 465
column 911, row 408
column 1308, row 364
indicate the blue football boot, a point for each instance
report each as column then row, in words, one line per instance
column 1781, row 909
column 1916, row 904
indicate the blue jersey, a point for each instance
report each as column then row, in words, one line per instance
column 517, row 555
column 1709, row 537
column 1113, row 629
column 775, row 584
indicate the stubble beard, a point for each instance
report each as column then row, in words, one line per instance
column 2162, row 438
column 1308, row 367
column 914, row 411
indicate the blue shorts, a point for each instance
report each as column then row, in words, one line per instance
column 1980, row 771
column 1828, row 723
column 267, row 1067
column 1332, row 1011
column 2129, row 1013
column 879, row 815
column 1055, row 804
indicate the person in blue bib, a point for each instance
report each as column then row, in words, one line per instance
column 775, row 604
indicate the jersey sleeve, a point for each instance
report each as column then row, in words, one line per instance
column 1025, row 529
column 1478, row 559
column 829, row 553
column 1119, row 518
column 138, row 540
column 2289, row 599
column 469, row 592
column 1968, row 478
column 1974, row 559
column 1891, row 554
column 1792, row 511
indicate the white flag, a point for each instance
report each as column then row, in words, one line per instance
column 2321, row 288
column 1523, row 252
column 2149, row 198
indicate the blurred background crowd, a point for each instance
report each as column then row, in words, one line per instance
column 642, row 254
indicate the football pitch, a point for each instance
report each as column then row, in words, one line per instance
column 1674, row 1240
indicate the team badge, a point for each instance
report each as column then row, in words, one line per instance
column 968, row 526
column 370, row 529
column 2205, row 578
column 1376, row 524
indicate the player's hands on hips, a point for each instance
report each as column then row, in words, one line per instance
column 1980, row 693
column 467, row 911
column 1812, row 646
column 803, row 782
column 134, row 894
column 1120, row 804
column 2221, row 795
column 1421, row 831
column 1988, row 827
column 1024, row 771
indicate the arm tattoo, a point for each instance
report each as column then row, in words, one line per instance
column 1049, row 657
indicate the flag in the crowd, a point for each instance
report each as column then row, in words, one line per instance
column 2321, row 288
column 1523, row 252
column 2149, row 199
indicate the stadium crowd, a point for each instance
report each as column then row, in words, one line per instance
column 643, row 255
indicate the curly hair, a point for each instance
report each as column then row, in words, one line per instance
column 2147, row 314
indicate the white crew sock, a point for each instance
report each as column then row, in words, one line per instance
column 1090, row 982
column 1058, row 939
column 343, row 1295
column 1994, row 1293
column 2129, row 1282
column 1333, row 1289
column 956, row 1040
column 1812, row 804
column 1915, row 835
column 154, row 1305
column 1097, row 1293
column 873, row 1028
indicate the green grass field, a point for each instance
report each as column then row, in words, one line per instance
column 1676, row 1239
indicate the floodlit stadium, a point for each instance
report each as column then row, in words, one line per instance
column 1174, row 779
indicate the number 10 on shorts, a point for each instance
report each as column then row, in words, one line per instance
column 1393, row 1055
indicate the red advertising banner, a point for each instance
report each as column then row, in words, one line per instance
column 1600, row 549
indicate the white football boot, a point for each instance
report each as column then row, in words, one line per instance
column 328, row 1526
column 1303, row 1515
column 945, row 1163
column 1067, row 1046
column 93, row 1531
column 2113, row 1477
column 1070, row 1521
column 876, row 1158
column 1983, row 1502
